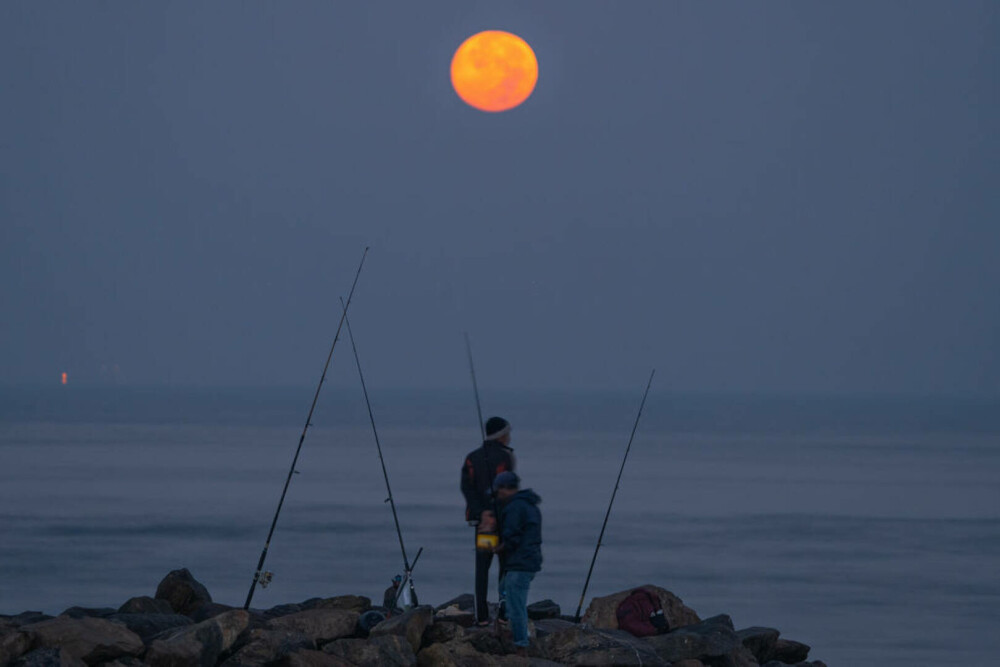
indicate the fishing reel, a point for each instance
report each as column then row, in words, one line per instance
column 265, row 579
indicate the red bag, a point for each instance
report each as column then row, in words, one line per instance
column 641, row 614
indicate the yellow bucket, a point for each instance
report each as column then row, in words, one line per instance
column 486, row 541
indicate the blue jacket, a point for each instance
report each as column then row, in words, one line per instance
column 521, row 532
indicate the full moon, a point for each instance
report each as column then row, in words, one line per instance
column 494, row 70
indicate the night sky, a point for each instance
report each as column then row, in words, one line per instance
column 750, row 197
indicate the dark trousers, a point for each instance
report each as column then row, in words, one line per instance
column 483, row 561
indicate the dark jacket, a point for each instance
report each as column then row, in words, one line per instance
column 478, row 471
column 522, row 532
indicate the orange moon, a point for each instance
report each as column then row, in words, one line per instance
column 494, row 70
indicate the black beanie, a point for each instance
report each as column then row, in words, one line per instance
column 496, row 427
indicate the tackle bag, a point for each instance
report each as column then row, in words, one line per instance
column 641, row 614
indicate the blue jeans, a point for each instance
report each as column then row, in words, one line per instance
column 515, row 586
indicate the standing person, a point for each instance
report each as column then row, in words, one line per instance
column 521, row 547
column 481, row 467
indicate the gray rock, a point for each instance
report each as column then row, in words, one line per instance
column 48, row 657
column 263, row 646
column 760, row 641
column 790, row 652
column 465, row 602
column 147, row 626
column 92, row 640
column 145, row 605
column 712, row 638
column 26, row 617
column 583, row 645
column 455, row 615
column 306, row 658
column 547, row 626
column 601, row 613
column 281, row 610
column 356, row 603
column 209, row 610
column 199, row 644
column 88, row 612
column 411, row 624
column 392, row 650
column 13, row 643
column 183, row 592
column 440, row 632
column 543, row 609
column 321, row 625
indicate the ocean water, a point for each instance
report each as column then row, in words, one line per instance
column 868, row 528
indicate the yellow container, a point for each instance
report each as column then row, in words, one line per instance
column 486, row 541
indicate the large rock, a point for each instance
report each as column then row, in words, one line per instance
column 263, row 646
column 543, row 609
column 790, row 652
column 321, row 625
column 26, row 617
column 759, row 641
column 48, row 657
column 147, row 626
column 602, row 611
column 548, row 626
column 465, row 602
column 384, row 650
column 440, row 632
column 13, row 643
column 307, row 658
column 88, row 612
column 712, row 638
column 461, row 653
column 411, row 624
column 357, row 603
column 453, row 614
column 199, row 644
column 183, row 592
column 580, row 645
column 145, row 605
column 92, row 640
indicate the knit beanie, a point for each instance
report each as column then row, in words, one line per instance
column 496, row 427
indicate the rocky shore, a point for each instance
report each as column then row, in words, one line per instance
column 181, row 626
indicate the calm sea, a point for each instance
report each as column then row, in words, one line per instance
column 868, row 528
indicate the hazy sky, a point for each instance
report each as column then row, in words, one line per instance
column 780, row 196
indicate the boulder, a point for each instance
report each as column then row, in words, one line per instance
column 790, row 652
column 88, row 612
column 411, row 624
column 543, row 609
column 356, row 603
column 92, row 640
column 183, row 592
column 199, row 644
column 456, row 615
column 760, row 641
column 320, row 625
column 385, row 650
column 147, row 626
column 456, row 653
column 547, row 626
column 145, row 605
column 48, row 657
column 26, row 617
column 440, row 632
column 281, row 610
column 264, row 646
column 740, row 656
column 210, row 610
column 13, row 643
column 580, row 645
column 602, row 611
column 307, row 658
column 464, row 602
column 712, row 638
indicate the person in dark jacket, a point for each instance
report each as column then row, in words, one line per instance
column 521, row 546
column 479, row 470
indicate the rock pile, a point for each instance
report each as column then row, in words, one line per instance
column 181, row 626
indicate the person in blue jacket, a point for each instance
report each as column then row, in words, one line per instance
column 521, row 547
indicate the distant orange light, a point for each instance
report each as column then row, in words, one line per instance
column 65, row 377
column 494, row 70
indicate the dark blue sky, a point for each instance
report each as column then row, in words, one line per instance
column 780, row 196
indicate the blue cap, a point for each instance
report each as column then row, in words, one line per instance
column 506, row 478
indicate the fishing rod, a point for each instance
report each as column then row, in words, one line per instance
column 475, row 387
column 378, row 446
column 266, row 578
column 608, row 513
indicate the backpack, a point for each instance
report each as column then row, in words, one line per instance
column 641, row 614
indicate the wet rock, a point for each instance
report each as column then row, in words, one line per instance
column 147, row 626
column 199, row 644
column 411, row 624
column 760, row 641
column 601, row 613
column 92, row 640
column 145, row 605
column 790, row 652
column 48, row 657
column 712, row 638
column 543, row 609
column 183, row 592
column 581, row 645
column 321, row 625
column 88, row 612
column 264, row 646
column 464, row 602
column 385, row 650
